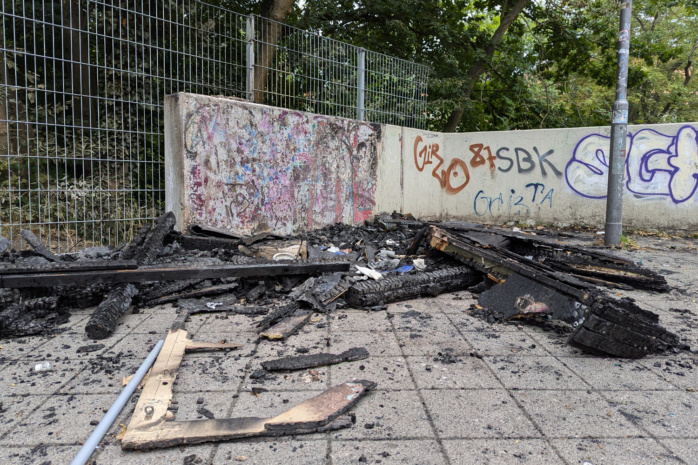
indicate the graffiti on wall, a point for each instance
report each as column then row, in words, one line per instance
column 256, row 169
column 535, row 194
column 455, row 176
column 657, row 165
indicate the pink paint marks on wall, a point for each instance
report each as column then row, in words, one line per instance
column 252, row 168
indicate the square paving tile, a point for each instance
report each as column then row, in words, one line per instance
column 387, row 452
column 636, row 451
column 499, row 452
column 504, row 343
column 389, row 372
column 461, row 372
column 359, row 320
column 22, row 378
column 687, row 449
column 575, row 414
column 388, row 415
column 15, row 408
column 615, row 374
column 216, row 372
column 296, row 450
column 41, row 454
column 534, row 373
column 477, row 413
column 191, row 453
column 376, row 342
column 419, row 343
column 62, row 419
column 662, row 413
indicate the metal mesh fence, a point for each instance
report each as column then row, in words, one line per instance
column 82, row 84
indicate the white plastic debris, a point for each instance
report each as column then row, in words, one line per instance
column 419, row 264
column 516, row 229
column 283, row 256
column 391, row 242
column 43, row 366
column 333, row 249
column 213, row 305
column 369, row 272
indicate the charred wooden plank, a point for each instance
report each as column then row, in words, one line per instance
column 188, row 242
column 288, row 326
column 301, row 362
column 167, row 289
column 410, row 286
column 206, row 291
column 34, row 316
column 280, row 313
column 622, row 329
column 232, row 309
column 67, row 267
column 103, row 321
column 129, row 251
column 170, row 274
column 37, row 246
column 210, row 231
column 521, row 297
column 148, row 252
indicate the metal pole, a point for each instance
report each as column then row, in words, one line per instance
column 619, row 131
column 93, row 441
column 250, row 58
column 361, row 71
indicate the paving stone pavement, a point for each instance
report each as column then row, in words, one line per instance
column 451, row 389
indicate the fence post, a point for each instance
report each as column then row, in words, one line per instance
column 250, row 58
column 361, row 76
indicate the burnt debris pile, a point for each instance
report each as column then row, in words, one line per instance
column 517, row 276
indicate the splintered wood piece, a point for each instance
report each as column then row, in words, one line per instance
column 153, row 425
column 321, row 409
column 204, row 346
column 321, row 413
column 37, row 246
column 288, row 326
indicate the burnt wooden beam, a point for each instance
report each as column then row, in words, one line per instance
column 91, row 265
column 103, row 321
column 622, row 329
column 203, row 292
column 410, row 286
column 37, row 246
column 288, row 326
column 168, row 274
column 301, row 362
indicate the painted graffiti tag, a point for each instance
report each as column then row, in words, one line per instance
column 515, row 203
column 453, row 179
column 657, row 165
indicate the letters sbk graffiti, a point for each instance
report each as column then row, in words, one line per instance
column 657, row 165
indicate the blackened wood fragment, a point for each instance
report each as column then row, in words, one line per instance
column 129, row 252
column 148, row 252
column 301, row 362
column 188, row 242
column 417, row 241
column 278, row 314
column 167, row 289
column 233, row 310
column 622, row 329
column 196, row 293
column 409, row 286
column 519, row 296
column 34, row 316
column 103, row 321
column 37, row 246
column 210, row 231
column 288, row 326
column 59, row 267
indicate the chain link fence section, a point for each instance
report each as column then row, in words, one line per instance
column 82, row 87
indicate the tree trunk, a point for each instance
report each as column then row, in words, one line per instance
column 479, row 65
column 278, row 11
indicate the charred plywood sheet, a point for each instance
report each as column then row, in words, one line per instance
column 251, row 168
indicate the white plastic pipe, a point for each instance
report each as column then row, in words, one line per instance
column 101, row 429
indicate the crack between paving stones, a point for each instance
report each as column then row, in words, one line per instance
column 636, row 425
column 419, row 394
column 513, row 398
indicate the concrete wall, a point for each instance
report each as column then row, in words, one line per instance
column 553, row 175
column 252, row 168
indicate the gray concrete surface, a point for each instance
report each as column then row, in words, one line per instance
column 452, row 389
